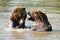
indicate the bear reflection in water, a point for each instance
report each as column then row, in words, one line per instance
column 41, row 20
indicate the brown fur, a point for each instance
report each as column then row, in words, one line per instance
column 39, row 15
column 41, row 21
column 18, row 14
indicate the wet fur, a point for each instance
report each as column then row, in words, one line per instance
column 41, row 20
column 17, row 15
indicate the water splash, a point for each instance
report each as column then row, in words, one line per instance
column 19, row 30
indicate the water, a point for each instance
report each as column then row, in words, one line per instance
column 50, row 7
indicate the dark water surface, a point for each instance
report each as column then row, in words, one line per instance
column 50, row 7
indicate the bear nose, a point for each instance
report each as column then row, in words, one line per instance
column 28, row 13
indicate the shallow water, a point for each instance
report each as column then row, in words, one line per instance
column 30, row 35
column 52, row 10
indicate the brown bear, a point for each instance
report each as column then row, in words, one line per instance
column 18, row 18
column 41, row 20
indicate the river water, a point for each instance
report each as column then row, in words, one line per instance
column 50, row 7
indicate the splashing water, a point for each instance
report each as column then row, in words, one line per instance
column 19, row 30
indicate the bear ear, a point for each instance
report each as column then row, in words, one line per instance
column 15, row 10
